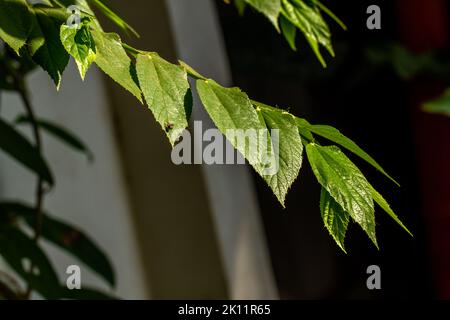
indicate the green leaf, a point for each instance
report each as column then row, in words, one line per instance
column 240, row 6
column 114, row 61
column 378, row 198
column 45, row 45
column 311, row 23
column 111, row 15
column 337, row 137
column 18, row 147
column 440, row 105
column 334, row 217
column 16, row 248
column 167, row 93
column 66, row 237
column 57, row 131
column 84, row 294
column 289, row 32
column 330, row 14
column 232, row 112
column 285, row 149
column 271, row 9
column 15, row 23
column 345, row 183
column 80, row 45
column 303, row 128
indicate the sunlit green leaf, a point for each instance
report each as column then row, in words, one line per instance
column 114, row 61
column 337, row 137
column 80, row 45
column 345, row 183
column 285, row 149
column 334, row 217
column 166, row 91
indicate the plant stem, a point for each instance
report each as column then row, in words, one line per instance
column 39, row 193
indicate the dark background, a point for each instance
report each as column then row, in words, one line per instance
column 368, row 103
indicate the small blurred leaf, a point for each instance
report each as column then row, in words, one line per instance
column 18, row 147
column 240, row 6
column 68, row 238
column 17, row 249
column 61, row 133
column 440, row 105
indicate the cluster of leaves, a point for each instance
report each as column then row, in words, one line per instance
column 40, row 33
column 292, row 16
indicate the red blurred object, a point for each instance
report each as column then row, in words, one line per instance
column 424, row 25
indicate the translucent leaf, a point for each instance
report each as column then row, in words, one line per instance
column 337, row 137
column 285, row 148
column 167, row 93
column 114, row 61
column 80, row 45
column 231, row 110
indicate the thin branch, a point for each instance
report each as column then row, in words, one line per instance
column 39, row 193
